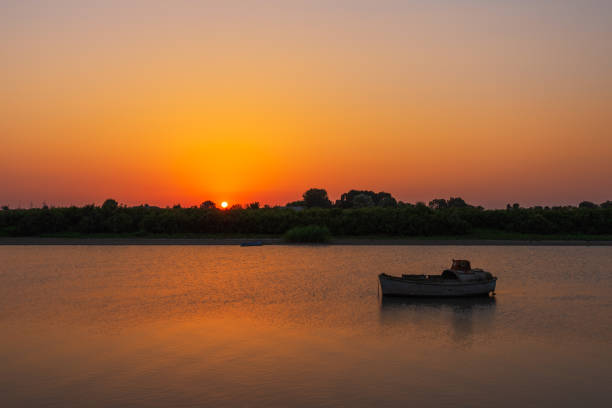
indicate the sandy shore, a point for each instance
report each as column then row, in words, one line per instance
column 278, row 241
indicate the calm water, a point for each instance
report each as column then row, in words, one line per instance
column 218, row 326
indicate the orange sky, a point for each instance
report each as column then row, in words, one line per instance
column 245, row 101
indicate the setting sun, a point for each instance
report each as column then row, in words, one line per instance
column 224, row 204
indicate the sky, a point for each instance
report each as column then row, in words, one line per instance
column 179, row 102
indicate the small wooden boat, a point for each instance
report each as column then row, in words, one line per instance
column 251, row 243
column 459, row 280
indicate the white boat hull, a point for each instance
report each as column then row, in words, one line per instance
column 394, row 286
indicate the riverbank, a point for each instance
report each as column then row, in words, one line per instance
column 279, row 241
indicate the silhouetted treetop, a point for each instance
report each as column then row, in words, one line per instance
column 362, row 200
column 208, row 204
column 110, row 205
column 299, row 203
column 387, row 201
column 438, row 204
column 381, row 199
column 453, row 202
column 316, row 197
column 457, row 202
column 406, row 220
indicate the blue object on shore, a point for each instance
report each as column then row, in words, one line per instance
column 251, row 243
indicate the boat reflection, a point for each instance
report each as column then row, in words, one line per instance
column 459, row 320
column 390, row 302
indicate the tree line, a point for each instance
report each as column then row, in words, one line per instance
column 357, row 212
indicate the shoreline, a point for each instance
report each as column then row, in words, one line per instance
column 33, row 241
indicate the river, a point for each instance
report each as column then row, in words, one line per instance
column 302, row 326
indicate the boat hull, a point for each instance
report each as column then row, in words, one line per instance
column 394, row 286
column 251, row 243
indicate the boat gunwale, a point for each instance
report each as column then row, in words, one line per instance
column 425, row 281
column 443, row 296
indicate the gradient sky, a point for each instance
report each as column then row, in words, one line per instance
column 179, row 102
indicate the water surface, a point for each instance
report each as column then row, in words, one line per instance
column 190, row 326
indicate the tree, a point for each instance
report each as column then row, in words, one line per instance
column 347, row 200
column 438, row 204
column 418, row 219
column 299, row 203
column 387, row 202
column 587, row 204
column 109, row 205
column 120, row 222
column 363, row 200
column 208, row 204
column 316, row 197
column 381, row 199
column 457, row 202
column 253, row 206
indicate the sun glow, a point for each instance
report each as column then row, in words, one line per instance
column 224, row 204
column 296, row 105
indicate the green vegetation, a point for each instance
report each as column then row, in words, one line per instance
column 317, row 197
column 357, row 213
column 308, row 234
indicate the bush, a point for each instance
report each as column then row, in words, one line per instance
column 309, row 233
column 406, row 220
